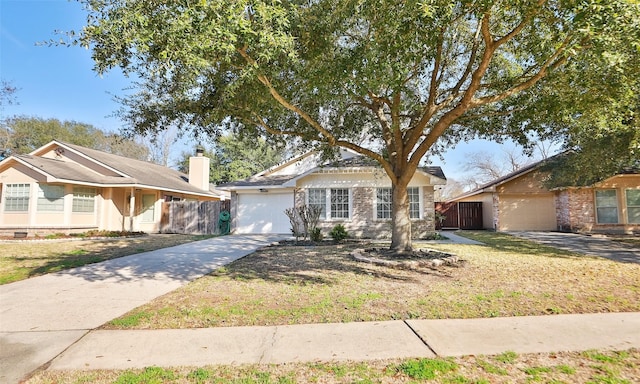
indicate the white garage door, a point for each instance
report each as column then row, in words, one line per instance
column 263, row 212
column 527, row 213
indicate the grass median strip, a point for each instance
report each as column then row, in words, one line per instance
column 566, row 367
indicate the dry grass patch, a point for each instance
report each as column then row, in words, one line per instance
column 20, row 260
column 295, row 285
column 586, row 367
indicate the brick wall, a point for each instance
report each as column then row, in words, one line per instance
column 582, row 209
column 362, row 223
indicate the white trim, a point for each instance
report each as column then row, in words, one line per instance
column 327, row 216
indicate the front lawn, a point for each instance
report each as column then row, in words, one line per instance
column 20, row 260
column 508, row 276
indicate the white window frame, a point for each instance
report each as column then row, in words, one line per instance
column 606, row 207
column 632, row 208
column 418, row 202
column 328, row 212
column 380, row 207
column 17, row 197
column 50, row 198
column 413, row 213
column 313, row 200
column 84, row 200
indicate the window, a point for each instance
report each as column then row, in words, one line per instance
column 414, row 202
column 318, row 198
column 50, row 198
column 607, row 206
column 339, row 203
column 16, row 198
column 83, row 199
column 148, row 208
column 383, row 203
column 333, row 202
column 633, row 206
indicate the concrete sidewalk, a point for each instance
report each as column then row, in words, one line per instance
column 42, row 316
column 350, row 341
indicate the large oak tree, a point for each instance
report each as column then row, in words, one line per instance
column 416, row 75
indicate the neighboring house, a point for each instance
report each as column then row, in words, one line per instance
column 67, row 188
column 353, row 191
column 521, row 202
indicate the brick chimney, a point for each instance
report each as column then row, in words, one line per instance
column 199, row 170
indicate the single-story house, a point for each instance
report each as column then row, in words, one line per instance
column 353, row 191
column 521, row 202
column 67, row 188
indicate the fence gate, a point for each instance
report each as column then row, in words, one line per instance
column 461, row 215
column 470, row 214
column 192, row 217
column 450, row 213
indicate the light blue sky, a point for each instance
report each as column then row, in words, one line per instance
column 58, row 82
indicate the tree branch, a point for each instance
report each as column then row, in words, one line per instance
column 331, row 139
column 551, row 63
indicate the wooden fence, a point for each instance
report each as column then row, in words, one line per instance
column 192, row 217
column 461, row 215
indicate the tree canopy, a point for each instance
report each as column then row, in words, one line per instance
column 21, row 135
column 416, row 76
column 235, row 157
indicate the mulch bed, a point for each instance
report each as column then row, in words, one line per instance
column 416, row 259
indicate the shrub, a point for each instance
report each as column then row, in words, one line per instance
column 316, row 235
column 339, row 233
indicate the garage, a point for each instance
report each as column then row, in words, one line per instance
column 527, row 213
column 263, row 212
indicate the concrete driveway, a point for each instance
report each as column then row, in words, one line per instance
column 599, row 246
column 42, row 316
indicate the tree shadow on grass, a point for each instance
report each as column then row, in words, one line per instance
column 302, row 265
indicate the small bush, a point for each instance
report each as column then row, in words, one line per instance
column 316, row 235
column 339, row 233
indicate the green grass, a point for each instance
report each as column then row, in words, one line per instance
column 427, row 369
column 506, row 357
column 595, row 367
column 150, row 375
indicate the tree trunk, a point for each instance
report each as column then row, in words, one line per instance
column 400, row 220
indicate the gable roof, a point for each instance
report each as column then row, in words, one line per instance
column 548, row 162
column 490, row 186
column 266, row 179
column 131, row 172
